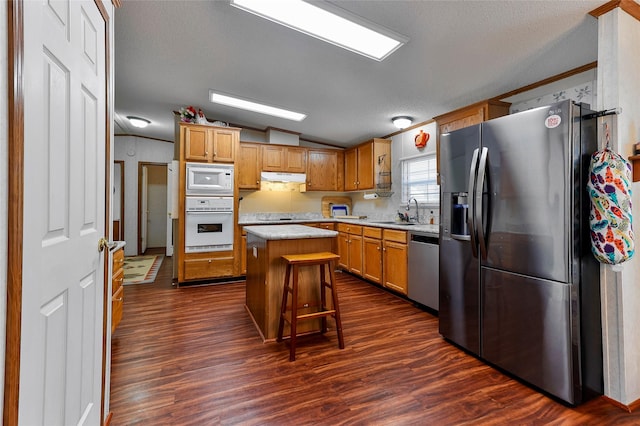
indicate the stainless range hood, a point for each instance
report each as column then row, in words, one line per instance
column 283, row 177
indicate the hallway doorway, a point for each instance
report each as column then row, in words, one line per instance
column 152, row 206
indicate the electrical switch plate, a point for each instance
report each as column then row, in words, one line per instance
column 255, row 251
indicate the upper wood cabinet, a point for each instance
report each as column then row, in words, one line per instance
column 282, row 158
column 325, row 170
column 209, row 144
column 368, row 166
column 470, row 115
column 248, row 165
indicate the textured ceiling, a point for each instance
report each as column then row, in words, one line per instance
column 169, row 54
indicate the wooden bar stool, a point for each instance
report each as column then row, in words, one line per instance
column 294, row 261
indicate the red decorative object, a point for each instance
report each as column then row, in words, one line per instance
column 421, row 139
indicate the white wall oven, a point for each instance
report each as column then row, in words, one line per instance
column 204, row 179
column 208, row 224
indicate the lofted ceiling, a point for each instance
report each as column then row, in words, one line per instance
column 168, row 54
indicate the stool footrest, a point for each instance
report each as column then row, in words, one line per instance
column 318, row 314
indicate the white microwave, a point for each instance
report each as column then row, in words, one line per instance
column 209, row 179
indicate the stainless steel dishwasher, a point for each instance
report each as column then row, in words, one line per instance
column 423, row 269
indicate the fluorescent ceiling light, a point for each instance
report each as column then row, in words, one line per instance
column 329, row 23
column 138, row 122
column 231, row 101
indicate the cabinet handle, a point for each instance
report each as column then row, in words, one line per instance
column 215, row 153
column 120, row 299
column 258, row 182
column 209, row 260
column 120, row 280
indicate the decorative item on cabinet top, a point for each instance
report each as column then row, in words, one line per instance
column 188, row 114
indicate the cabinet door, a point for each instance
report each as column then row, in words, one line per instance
column 322, row 170
column 343, row 250
column 351, row 169
column 248, row 165
column 365, row 166
column 223, row 144
column 372, row 259
column 471, row 117
column 243, row 255
column 196, row 144
column 117, row 304
column 295, row 160
column 395, row 266
column 273, row 158
column 355, row 254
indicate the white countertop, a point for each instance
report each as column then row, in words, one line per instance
column 432, row 230
column 288, row 232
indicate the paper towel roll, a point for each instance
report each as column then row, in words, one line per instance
column 370, row 196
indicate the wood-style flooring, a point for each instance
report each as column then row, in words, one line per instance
column 191, row 356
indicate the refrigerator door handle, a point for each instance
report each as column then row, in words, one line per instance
column 482, row 173
column 471, row 216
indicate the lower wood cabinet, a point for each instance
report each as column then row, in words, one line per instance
column 208, row 265
column 350, row 247
column 395, row 260
column 376, row 254
column 117, row 288
column 372, row 254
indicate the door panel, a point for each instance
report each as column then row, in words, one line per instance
column 526, row 329
column 528, row 171
column 456, row 151
column 459, row 294
column 64, row 213
column 144, row 208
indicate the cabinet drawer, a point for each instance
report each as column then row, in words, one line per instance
column 208, row 265
column 117, row 261
column 371, row 232
column 117, row 305
column 349, row 228
column 393, row 235
column 327, row 225
column 117, row 280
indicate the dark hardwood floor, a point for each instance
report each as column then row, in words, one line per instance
column 191, row 356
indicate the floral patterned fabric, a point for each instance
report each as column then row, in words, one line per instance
column 610, row 217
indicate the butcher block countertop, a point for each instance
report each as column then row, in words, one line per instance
column 288, row 232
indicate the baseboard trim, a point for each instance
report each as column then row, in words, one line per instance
column 628, row 408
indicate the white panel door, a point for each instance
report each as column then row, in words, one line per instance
column 64, row 213
column 144, row 209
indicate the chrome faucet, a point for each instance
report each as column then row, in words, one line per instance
column 417, row 217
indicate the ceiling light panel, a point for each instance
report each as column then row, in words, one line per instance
column 232, row 101
column 329, row 23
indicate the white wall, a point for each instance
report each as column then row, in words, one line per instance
column 619, row 86
column 402, row 147
column 3, row 191
column 133, row 150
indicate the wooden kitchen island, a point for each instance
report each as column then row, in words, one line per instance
column 265, row 273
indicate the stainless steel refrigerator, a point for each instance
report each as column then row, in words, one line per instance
column 519, row 287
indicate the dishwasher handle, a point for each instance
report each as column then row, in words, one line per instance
column 424, row 239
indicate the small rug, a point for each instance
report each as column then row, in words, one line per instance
column 141, row 269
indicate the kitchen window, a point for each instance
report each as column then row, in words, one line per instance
column 420, row 180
